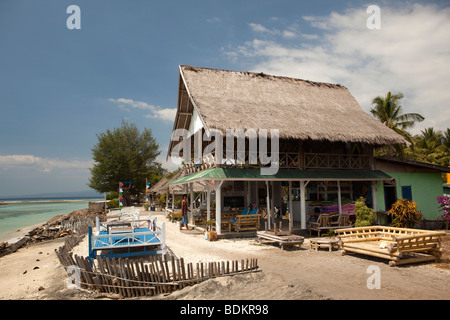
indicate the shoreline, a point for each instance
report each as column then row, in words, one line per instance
column 47, row 201
column 14, row 236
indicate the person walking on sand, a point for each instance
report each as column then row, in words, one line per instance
column 184, row 210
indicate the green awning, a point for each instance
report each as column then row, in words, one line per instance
column 284, row 174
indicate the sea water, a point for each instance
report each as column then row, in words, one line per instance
column 15, row 215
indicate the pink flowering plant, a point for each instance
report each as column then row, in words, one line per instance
column 444, row 206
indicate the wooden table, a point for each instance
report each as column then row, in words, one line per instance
column 119, row 227
column 282, row 238
column 330, row 243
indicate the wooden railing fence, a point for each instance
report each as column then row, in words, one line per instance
column 125, row 277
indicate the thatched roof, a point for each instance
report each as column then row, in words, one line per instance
column 163, row 184
column 300, row 109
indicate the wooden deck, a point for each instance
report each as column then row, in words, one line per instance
column 282, row 238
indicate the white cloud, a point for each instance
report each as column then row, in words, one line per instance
column 288, row 33
column 40, row 164
column 167, row 114
column 409, row 54
column 214, row 20
column 260, row 28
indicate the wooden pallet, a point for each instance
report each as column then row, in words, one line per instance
column 282, row 238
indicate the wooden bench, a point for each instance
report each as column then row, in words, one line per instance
column 322, row 223
column 247, row 222
column 399, row 245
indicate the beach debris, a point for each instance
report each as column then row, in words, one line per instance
column 41, row 288
column 58, row 227
column 114, row 296
column 35, row 268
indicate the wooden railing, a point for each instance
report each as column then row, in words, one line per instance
column 292, row 160
column 336, row 161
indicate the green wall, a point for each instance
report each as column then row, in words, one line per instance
column 380, row 196
column 425, row 187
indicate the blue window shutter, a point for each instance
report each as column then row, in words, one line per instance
column 407, row 192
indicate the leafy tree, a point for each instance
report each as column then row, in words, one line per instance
column 125, row 154
column 388, row 110
column 430, row 146
column 365, row 216
column 404, row 213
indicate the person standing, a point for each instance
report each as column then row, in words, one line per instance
column 184, row 210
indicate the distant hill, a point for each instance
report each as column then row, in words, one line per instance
column 60, row 195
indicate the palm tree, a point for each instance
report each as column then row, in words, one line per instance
column 389, row 111
column 428, row 145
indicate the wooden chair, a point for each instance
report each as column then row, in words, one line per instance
column 247, row 222
column 343, row 221
column 322, row 223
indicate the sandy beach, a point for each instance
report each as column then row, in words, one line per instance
column 34, row 272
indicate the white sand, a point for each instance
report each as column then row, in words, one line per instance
column 297, row 273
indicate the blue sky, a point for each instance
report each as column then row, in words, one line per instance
column 61, row 87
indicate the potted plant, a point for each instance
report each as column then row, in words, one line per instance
column 404, row 214
column 146, row 206
column 210, row 235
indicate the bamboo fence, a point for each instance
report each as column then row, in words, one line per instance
column 134, row 277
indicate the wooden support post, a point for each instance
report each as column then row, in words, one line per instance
column 173, row 200
column 339, row 197
column 302, row 205
column 208, row 201
column 249, row 200
column 217, row 187
column 191, row 205
column 291, row 214
column 268, row 204
column 374, row 195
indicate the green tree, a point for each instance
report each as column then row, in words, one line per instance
column 125, row 154
column 388, row 110
column 430, row 146
column 365, row 216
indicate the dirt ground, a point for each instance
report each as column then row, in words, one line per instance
column 295, row 273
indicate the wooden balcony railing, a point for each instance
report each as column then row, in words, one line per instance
column 336, row 161
column 291, row 160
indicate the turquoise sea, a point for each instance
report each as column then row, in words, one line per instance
column 18, row 214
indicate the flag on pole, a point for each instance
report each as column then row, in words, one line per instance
column 120, row 194
column 147, row 188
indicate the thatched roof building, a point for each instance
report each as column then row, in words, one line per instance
column 300, row 109
column 325, row 149
column 163, row 186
